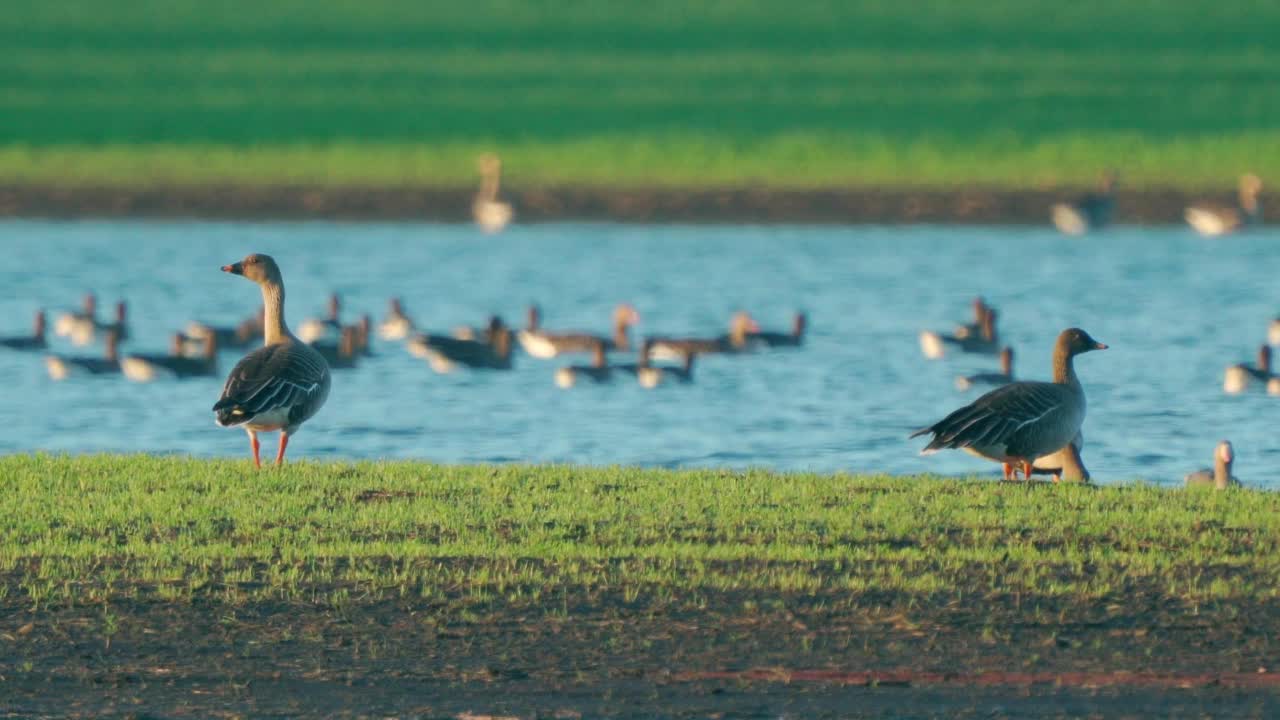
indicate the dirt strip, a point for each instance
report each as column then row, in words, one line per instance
column 838, row 205
column 911, row 678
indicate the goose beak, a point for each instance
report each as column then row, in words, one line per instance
column 233, row 268
column 1099, row 346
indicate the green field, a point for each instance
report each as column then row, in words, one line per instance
column 398, row 92
column 198, row 588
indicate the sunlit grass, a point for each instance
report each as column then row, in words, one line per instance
column 104, row 528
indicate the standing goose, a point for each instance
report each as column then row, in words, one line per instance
column 280, row 385
column 1211, row 220
column 986, row 340
column 541, row 343
column 313, row 329
column 1090, row 212
column 1220, row 476
column 1066, row 464
column 34, row 341
column 1004, row 377
column 1238, row 378
column 598, row 371
column 1022, row 421
column 490, row 213
column 446, row 353
column 227, row 338
column 795, row 338
column 145, row 368
column 737, row 340
column 60, row 366
column 397, row 325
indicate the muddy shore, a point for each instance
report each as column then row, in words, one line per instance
column 977, row 206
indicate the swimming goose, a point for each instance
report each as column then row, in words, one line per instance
column 397, row 325
column 145, row 368
column 1220, row 476
column 446, row 353
column 1090, row 212
column 34, row 341
column 737, row 340
column 313, row 329
column 1273, row 332
column 545, row 344
column 1066, row 464
column 280, row 385
column 1004, row 377
column 986, row 341
column 363, row 328
column 1022, row 421
column 1212, row 220
column 60, row 367
column 79, row 326
column 651, row 376
column 490, row 213
column 227, row 338
column 1238, row 378
column 340, row 355
column 598, row 371
column 795, row 338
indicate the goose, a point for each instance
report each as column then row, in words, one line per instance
column 340, row 355
column 795, row 338
column 1220, row 476
column 1238, row 378
column 397, row 325
column 1021, row 421
column 1212, row 220
column 545, row 344
column 61, row 367
column 34, row 341
column 986, row 341
column 598, row 371
column 313, row 329
column 737, row 340
column 1004, row 377
column 1066, row 464
column 146, row 368
column 490, row 213
column 1273, row 332
column 651, row 376
column 446, row 353
column 280, row 385
column 81, row 325
column 1088, row 213
column 363, row 328
column 228, row 338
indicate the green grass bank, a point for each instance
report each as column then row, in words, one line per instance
column 397, row 93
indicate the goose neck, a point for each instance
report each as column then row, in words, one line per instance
column 274, row 329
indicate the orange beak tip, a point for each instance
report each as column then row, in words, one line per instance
column 1102, row 346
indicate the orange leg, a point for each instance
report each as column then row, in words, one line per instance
column 253, row 443
column 1026, row 470
column 1008, row 471
column 284, row 443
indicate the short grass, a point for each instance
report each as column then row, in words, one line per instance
column 400, row 92
column 105, row 529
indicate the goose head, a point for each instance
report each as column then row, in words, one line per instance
column 625, row 315
column 261, row 269
column 1074, row 341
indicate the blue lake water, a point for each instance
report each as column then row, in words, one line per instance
column 1176, row 309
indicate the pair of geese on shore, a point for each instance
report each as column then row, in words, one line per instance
column 1094, row 211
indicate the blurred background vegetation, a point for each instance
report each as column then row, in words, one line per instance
column 1005, row 93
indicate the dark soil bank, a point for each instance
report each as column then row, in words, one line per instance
column 974, row 206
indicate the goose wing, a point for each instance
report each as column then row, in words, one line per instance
column 288, row 376
column 1020, row 417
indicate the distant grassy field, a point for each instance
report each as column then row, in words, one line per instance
column 397, row 92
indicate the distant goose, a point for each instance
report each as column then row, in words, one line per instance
column 242, row 335
column 1066, row 464
column 146, row 368
column 61, row 367
column 363, row 327
column 795, row 338
column 934, row 345
column 81, row 325
column 1220, row 476
column 598, row 371
column 397, row 325
column 651, row 376
column 342, row 354
column 541, row 343
column 313, row 329
column 280, row 385
column 737, row 340
column 1090, row 212
column 1273, row 332
column 1238, row 378
column 1004, row 377
column 34, row 341
column 1212, row 220
column 1022, row 421
column 446, row 353
column 490, row 213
